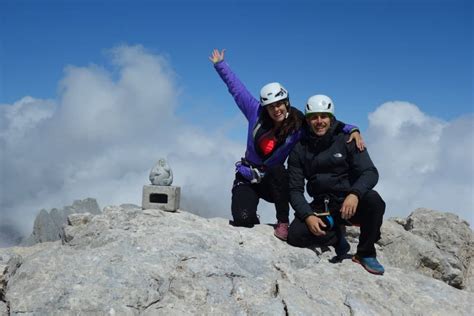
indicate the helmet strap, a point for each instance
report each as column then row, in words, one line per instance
column 288, row 108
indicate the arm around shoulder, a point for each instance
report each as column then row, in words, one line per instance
column 355, row 135
column 363, row 173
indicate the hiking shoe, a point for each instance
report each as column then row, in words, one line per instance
column 370, row 264
column 281, row 230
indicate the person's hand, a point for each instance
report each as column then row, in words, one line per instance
column 358, row 139
column 217, row 56
column 252, row 174
column 349, row 206
column 315, row 225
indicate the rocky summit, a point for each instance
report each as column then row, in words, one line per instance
column 48, row 225
column 129, row 261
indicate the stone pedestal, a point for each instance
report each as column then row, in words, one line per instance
column 164, row 198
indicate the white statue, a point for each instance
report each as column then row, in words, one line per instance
column 161, row 173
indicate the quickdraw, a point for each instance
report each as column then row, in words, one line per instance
column 326, row 215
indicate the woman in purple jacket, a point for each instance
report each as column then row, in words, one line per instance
column 274, row 128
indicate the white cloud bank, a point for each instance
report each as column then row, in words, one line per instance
column 102, row 136
column 422, row 161
column 106, row 130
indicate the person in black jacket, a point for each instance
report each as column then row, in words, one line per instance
column 340, row 179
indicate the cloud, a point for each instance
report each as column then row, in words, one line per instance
column 101, row 137
column 423, row 161
column 22, row 117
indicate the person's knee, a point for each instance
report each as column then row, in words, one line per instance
column 244, row 206
column 238, row 223
column 296, row 234
column 295, row 239
column 300, row 236
column 244, row 218
column 375, row 201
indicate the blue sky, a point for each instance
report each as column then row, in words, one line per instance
column 362, row 53
column 92, row 93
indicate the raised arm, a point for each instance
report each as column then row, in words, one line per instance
column 243, row 98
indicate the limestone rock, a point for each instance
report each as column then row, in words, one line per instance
column 48, row 226
column 470, row 277
column 132, row 262
column 6, row 272
column 79, row 219
column 3, row 281
column 3, row 309
column 434, row 243
column 452, row 235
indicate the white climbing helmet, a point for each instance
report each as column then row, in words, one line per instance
column 272, row 92
column 319, row 104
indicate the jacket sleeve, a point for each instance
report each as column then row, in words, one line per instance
column 296, row 185
column 245, row 101
column 363, row 174
column 348, row 128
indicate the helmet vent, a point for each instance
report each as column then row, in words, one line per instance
column 319, row 104
column 282, row 92
column 271, row 93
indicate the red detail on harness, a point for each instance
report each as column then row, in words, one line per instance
column 267, row 144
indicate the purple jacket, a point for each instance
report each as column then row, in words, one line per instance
column 251, row 108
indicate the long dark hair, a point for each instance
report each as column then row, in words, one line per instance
column 290, row 125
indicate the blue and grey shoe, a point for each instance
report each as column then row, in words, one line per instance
column 370, row 264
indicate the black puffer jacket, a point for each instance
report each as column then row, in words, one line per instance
column 331, row 166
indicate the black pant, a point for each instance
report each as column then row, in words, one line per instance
column 369, row 216
column 245, row 196
column 300, row 236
